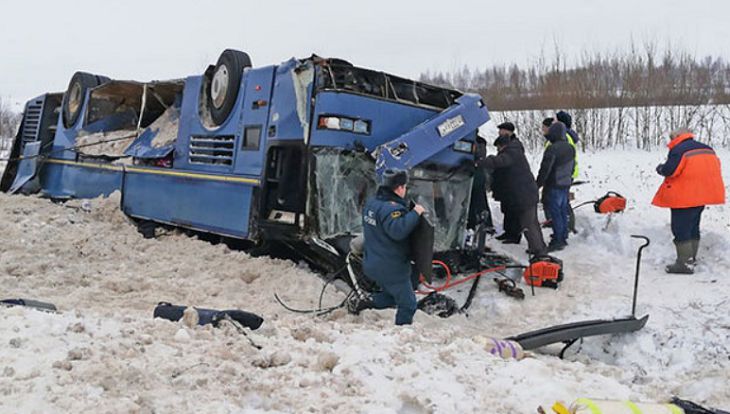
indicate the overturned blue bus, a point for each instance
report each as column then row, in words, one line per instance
column 284, row 153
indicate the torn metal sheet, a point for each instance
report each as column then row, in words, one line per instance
column 28, row 166
column 105, row 143
column 157, row 140
column 346, row 180
column 302, row 77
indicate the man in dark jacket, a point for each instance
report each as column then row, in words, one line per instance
column 479, row 211
column 570, row 135
column 387, row 223
column 512, row 229
column 556, row 171
column 544, row 193
column 519, row 196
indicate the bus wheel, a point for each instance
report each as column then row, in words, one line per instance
column 74, row 97
column 225, row 82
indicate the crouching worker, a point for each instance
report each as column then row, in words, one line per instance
column 693, row 179
column 387, row 223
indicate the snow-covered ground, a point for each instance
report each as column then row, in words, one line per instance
column 103, row 352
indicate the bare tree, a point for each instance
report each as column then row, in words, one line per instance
column 640, row 76
column 9, row 122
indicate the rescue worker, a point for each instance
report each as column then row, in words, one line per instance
column 693, row 180
column 387, row 223
column 556, row 170
column 512, row 230
column 570, row 135
column 520, row 192
column 544, row 194
column 573, row 139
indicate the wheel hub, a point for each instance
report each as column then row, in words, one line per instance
column 219, row 86
column 74, row 99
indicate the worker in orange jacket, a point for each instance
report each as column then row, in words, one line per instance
column 693, row 179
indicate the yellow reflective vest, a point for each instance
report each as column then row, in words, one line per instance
column 572, row 144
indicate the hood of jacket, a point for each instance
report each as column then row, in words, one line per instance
column 556, row 132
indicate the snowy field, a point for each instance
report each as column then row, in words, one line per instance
column 103, row 352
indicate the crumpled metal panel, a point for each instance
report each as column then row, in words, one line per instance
column 434, row 135
column 159, row 139
column 28, row 166
column 345, row 181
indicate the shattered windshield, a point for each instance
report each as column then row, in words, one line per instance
column 344, row 182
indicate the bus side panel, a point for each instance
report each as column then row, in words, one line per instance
column 214, row 206
column 75, row 181
column 387, row 120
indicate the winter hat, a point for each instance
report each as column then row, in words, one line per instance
column 394, row 178
column 501, row 140
column 547, row 122
column 565, row 118
column 509, row 126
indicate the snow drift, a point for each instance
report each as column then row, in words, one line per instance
column 104, row 350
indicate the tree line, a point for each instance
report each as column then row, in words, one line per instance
column 640, row 76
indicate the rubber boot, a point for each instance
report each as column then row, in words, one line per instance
column 684, row 255
column 695, row 248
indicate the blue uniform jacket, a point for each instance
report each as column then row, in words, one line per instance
column 387, row 223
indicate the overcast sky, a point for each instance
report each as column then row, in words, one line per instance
column 42, row 44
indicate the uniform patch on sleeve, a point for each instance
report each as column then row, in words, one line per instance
column 396, row 214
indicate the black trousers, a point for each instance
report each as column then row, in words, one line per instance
column 686, row 223
column 524, row 220
column 511, row 225
column 528, row 222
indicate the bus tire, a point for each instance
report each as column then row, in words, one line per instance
column 224, row 83
column 73, row 99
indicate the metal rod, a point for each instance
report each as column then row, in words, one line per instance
column 638, row 267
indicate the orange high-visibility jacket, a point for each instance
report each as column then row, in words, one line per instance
column 693, row 176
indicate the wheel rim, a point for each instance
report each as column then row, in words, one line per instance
column 74, row 99
column 219, row 86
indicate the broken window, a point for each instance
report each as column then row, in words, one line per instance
column 345, row 180
column 121, row 111
column 345, row 77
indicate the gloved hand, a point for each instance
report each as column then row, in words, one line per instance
column 659, row 169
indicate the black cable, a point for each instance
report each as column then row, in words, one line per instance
column 584, row 204
column 317, row 312
column 321, row 293
column 331, row 278
column 472, row 293
column 241, row 330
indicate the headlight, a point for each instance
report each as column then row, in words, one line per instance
column 341, row 123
